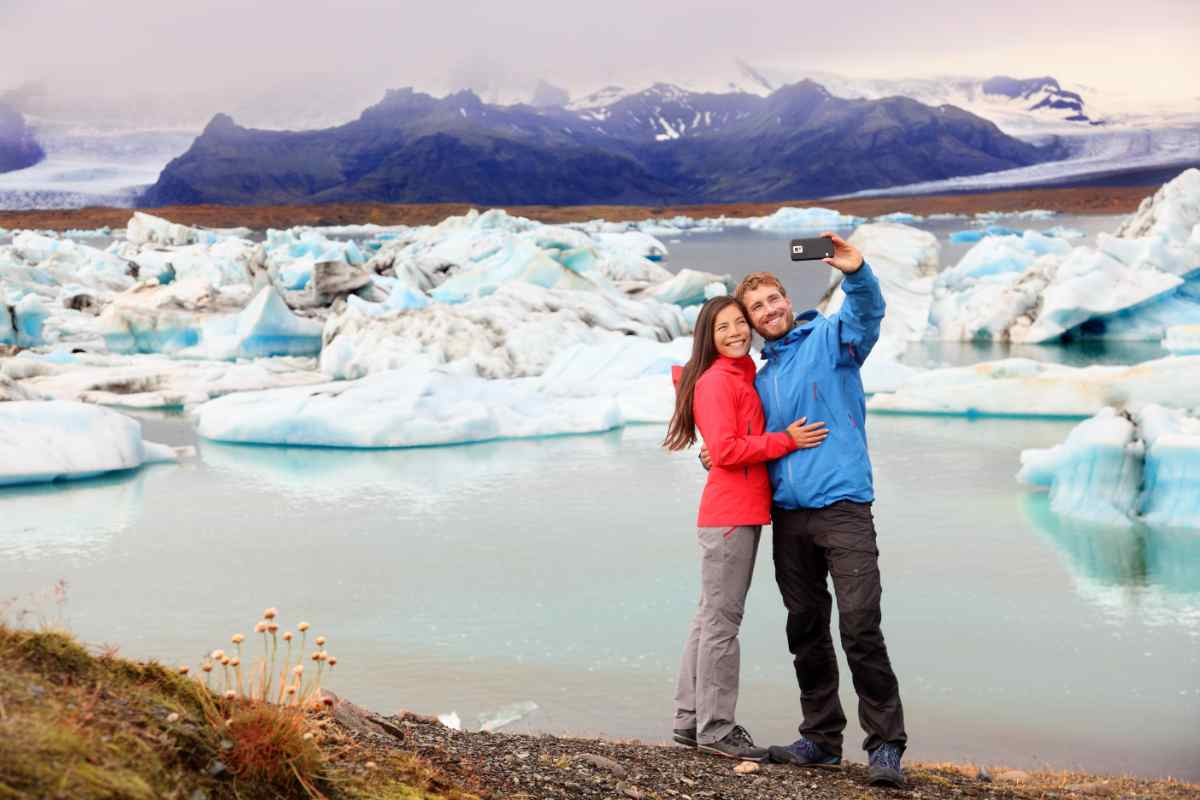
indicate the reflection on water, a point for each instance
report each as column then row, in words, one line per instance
column 72, row 522
column 1136, row 567
column 1082, row 353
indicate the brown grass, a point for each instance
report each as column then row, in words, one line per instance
column 1075, row 200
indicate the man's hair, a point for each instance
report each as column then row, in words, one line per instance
column 755, row 280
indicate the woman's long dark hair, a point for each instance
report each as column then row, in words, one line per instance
column 681, row 432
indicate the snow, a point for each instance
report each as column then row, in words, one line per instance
column 49, row 441
column 1022, row 387
column 1118, row 468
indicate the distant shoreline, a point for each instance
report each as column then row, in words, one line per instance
column 1069, row 200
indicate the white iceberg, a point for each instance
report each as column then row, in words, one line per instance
column 49, row 441
column 1117, row 469
column 151, row 381
column 1037, row 289
column 804, row 220
column 515, row 332
column 266, row 327
column 1182, row 339
column 1022, row 387
column 490, row 721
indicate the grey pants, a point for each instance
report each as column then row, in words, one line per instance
column 707, row 689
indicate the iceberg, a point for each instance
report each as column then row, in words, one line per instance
column 402, row 408
column 151, row 381
column 690, row 288
column 490, row 721
column 1038, row 289
column 803, row 220
column 1120, row 468
column 902, row 217
column 148, row 229
column 47, row 441
column 515, row 332
column 266, row 327
column 1022, row 387
column 1095, row 475
column 978, row 235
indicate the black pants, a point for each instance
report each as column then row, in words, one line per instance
column 837, row 540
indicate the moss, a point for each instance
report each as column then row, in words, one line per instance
column 84, row 727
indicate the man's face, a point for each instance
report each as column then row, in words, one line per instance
column 770, row 312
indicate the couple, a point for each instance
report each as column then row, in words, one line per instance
column 812, row 482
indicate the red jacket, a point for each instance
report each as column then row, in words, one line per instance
column 729, row 417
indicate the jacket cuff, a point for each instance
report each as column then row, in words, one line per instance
column 860, row 277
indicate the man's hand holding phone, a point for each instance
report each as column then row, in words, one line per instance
column 829, row 248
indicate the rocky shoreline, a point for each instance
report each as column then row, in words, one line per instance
column 1074, row 200
column 529, row 767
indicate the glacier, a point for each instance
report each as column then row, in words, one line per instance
column 1023, row 387
column 46, row 441
column 1182, row 339
column 1120, row 468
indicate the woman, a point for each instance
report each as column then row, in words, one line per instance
column 716, row 394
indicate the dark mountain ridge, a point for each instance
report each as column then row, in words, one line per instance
column 663, row 145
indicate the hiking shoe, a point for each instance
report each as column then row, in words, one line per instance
column 885, row 766
column 685, row 736
column 804, row 753
column 736, row 744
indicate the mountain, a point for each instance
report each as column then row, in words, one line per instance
column 661, row 145
column 18, row 148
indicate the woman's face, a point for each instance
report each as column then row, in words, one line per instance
column 731, row 332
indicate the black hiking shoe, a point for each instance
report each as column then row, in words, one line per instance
column 885, row 766
column 736, row 744
column 685, row 736
column 804, row 753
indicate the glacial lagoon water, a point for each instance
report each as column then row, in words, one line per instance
column 563, row 571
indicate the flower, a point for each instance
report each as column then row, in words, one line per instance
column 225, row 661
column 184, row 670
column 316, row 656
column 291, row 690
column 287, row 636
column 270, row 613
column 327, row 700
column 230, row 694
column 298, row 669
column 303, row 626
column 237, row 638
column 206, row 666
column 332, row 661
column 320, row 641
column 217, row 655
column 272, row 627
column 260, row 627
column 233, row 662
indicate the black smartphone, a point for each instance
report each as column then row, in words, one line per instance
column 812, row 249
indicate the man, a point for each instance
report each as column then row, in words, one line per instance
column 821, row 513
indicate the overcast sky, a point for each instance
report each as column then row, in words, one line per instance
column 1148, row 47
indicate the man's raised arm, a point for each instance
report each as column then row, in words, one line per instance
column 859, row 318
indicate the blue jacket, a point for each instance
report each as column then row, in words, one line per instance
column 813, row 372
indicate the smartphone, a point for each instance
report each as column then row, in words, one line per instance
column 812, row 249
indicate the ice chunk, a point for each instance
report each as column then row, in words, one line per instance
column 689, row 287
column 902, row 217
column 1182, row 339
column 402, row 408
column 49, row 441
column 514, row 260
column 513, row 333
column 267, row 327
column 1021, row 387
column 145, row 228
column 1171, row 484
column 1172, row 212
column 804, row 220
column 978, row 235
column 1095, row 475
column 149, row 381
column 30, row 314
column 495, row 720
column 1115, row 469
column 996, row 255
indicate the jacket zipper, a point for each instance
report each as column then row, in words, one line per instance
column 746, row 467
column 787, row 462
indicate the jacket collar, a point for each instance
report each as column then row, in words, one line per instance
column 800, row 330
column 742, row 367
